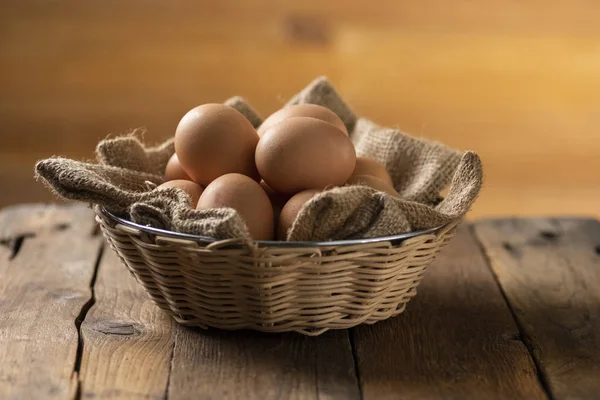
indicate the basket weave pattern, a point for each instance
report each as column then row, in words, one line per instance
column 233, row 285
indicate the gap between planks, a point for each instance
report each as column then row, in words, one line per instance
column 548, row 268
column 48, row 258
column 354, row 354
column 523, row 337
column 171, row 357
column 81, row 317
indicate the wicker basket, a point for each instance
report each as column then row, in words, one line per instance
column 307, row 287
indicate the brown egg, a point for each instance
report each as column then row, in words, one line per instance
column 290, row 211
column 302, row 153
column 213, row 140
column 191, row 188
column 367, row 166
column 175, row 171
column 372, row 182
column 247, row 197
column 303, row 110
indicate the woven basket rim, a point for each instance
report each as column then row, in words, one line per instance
column 204, row 240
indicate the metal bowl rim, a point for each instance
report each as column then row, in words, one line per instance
column 394, row 239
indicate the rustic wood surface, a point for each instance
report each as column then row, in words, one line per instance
column 515, row 81
column 127, row 341
column 456, row 340
column 510, row 309
column 550, row 273
column 255, row 366
column 44, row 285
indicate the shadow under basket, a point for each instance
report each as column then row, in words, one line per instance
column 306, row 287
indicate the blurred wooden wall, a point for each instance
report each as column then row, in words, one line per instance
column 518, row 82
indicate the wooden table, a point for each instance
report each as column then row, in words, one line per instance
column 509, row 310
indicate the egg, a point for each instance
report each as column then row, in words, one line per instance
column 291, row 209
column 367, row 166
column 174, row 170
column 213, row 140
column 303, row 110
column 247, row 197
column 372, row 182
column 191, row 188
column 302, row 153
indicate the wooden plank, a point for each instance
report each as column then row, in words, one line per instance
column 251, row 365
column 550, row 273
column 456, row 340
column 127, row 340
column 46, row 266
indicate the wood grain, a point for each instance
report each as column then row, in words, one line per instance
column 550, row 273
column 456, row 339
column 459, row 338
column 251, row 365
column 47, row 262
column 127, row 340
column 515, row 81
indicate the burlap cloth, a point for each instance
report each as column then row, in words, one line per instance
column 125, row 177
